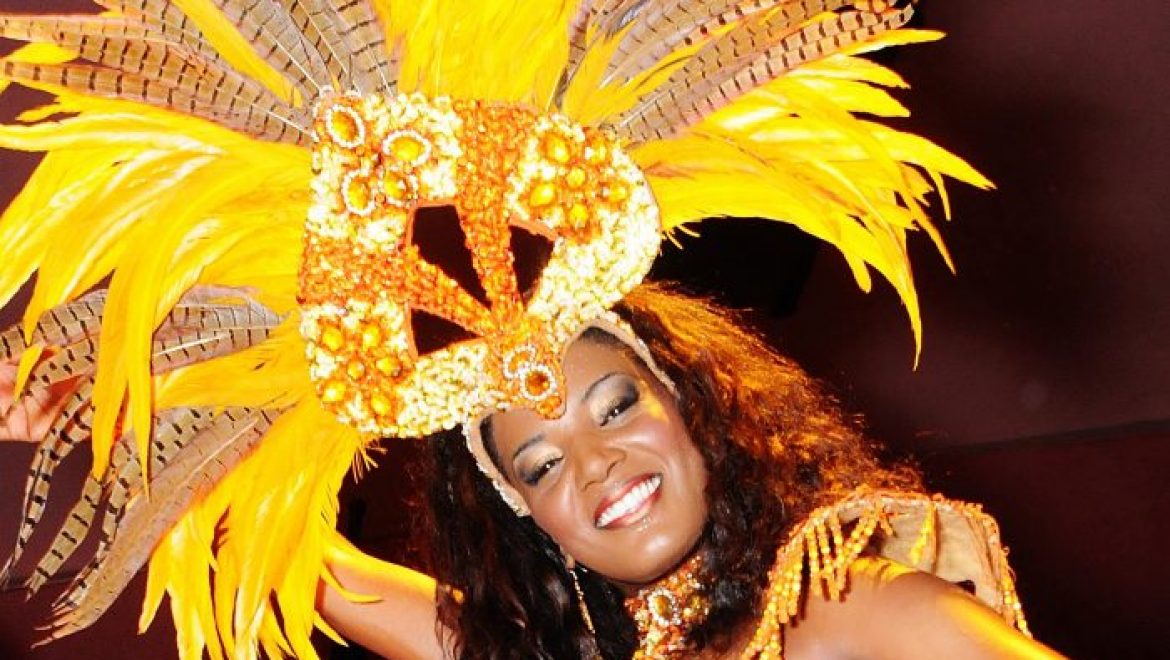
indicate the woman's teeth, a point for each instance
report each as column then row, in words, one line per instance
column 630, row 501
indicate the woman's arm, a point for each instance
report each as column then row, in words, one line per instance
column 395, row 613
column 891, row 611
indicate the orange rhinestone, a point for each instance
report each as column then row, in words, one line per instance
column 579, row 215
column 599, row 152
column 344, row 126
column 661, row 605
column 617, row 193
column 542, row 195
column 381, row 404
column 407, row 148
column 357, row 194
column 332, row 338
column 355, row 370
column 389, row 366
column 396, row 186
column 575, row 178
column 536, row 382
column 333, row 391
column 556, row 148
column 371, row 336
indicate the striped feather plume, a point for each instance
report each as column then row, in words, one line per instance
column 206, row 323
column 758, row 108
column 175, row 167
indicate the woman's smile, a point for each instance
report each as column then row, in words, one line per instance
column 629, row 504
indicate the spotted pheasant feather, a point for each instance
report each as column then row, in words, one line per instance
column 763, row 47
column 207, row 458
column 199, row 328
column 152, row 52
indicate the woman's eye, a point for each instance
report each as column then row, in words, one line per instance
column 623, row 403
column 533, row 476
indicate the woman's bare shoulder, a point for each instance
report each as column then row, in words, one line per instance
column 893, row 611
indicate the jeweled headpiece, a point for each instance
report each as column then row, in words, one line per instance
column 378, row 160
column 249, row 177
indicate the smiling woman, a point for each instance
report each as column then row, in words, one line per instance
column 703, row 461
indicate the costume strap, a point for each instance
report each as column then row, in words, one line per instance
column 953, row 540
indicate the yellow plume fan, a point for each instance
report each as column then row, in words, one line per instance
column 444, row 51
column 801, row 156
column 290, row 476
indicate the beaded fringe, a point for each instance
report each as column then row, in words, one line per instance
column 822, row 548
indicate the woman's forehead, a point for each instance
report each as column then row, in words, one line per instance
column 586, row 362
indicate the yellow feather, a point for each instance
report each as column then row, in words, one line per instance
column 235, row 48
column 272, row 374
column 445, row 53
column 902, row 37
column 857, row 97
column 918, row 150
column 847, row 67
column 28, row 360
column 591, row 101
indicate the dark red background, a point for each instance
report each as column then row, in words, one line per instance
column 1042, row 389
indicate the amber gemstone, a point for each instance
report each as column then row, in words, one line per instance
column 381, row 404
column 542, row 195
column 332, row 338
column 355, row 369
column 333, row 391
column 575, row 178
column 407, row 148
column 371, row 336
column 556, row 148
column 579, row 215
column 536, row 382
column 357, row 194
column 397, row 187
column 389, row 366
column 661, row 605
column 599, row 152
column 344, row 126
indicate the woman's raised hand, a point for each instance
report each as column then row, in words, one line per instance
column 28, row 418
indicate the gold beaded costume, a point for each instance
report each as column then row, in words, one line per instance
column 247, row 175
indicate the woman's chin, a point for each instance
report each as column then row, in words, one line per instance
column 658, row 551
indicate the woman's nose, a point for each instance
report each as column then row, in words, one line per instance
column 595, row 460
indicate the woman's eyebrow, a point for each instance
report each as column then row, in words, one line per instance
column 527, row 444
column 596, row 384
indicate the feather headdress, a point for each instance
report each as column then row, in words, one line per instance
column 246, row 175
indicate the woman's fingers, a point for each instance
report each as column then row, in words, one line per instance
column 28, row 418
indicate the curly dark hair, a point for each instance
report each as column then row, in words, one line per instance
column 776, row 447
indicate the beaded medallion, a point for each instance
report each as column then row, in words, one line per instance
column 667, row 612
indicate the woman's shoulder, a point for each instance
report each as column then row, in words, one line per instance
column 889, row 610
column 882, row 558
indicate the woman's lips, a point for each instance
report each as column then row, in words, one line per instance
column 626, row 505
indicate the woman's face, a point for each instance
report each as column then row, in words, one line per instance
column 616, row 480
